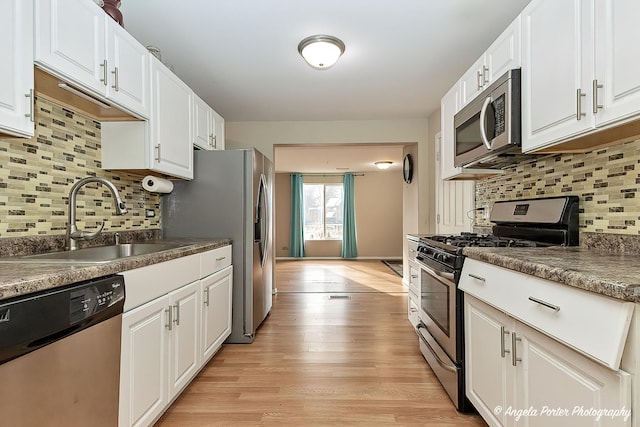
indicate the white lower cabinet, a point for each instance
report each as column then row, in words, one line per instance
column 516, row 375
column 170, row 332
column 216, row 316
column 412, row 314
column 184, row 345
column 161, row 346
column 144, row 363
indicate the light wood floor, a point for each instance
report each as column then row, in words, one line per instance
column 318, row 361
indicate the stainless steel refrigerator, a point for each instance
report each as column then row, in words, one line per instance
column 231, row 196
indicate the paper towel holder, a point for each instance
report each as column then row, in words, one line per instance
column 155, row 184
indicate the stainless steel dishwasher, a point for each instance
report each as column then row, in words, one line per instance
column 60, row 355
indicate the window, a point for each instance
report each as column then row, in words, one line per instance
column 322, row 211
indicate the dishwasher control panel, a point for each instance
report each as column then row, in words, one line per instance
column 89, row 300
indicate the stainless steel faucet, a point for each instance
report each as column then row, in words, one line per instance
column 74, row 235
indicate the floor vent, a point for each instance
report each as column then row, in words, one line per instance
column 339, row 296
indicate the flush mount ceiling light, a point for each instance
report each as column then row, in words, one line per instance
column 383, row 165
column 321, row 51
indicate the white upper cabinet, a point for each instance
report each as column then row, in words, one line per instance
column 77, row 41
column 16, row 75
column 128, row 66
column 208, row 126
column 617, row 60
column 164, row 142
column 472, row 82
column 502, row 56
column 218, row 128
column 171, row 122
column 70, row 41
column 556, row 55
column 203, row 129
column 579, row 71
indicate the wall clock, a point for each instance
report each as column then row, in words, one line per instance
column 407, row 168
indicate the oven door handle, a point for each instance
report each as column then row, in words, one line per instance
column 435, row 355
column 443, row 274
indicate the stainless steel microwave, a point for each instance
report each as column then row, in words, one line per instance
column 487, row 131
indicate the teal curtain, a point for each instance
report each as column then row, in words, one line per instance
column 296, row 239
column 349, row 240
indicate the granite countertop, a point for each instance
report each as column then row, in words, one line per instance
column 610, row 274
column 18, row 279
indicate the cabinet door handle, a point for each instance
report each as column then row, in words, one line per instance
column 414, row 276
column 579, row 113
column 220, row 259
column 485, row 75
column 177, row 318
column 473, row 276
column 115, row 85
column 215, row 143
column 158, row 153
column 503, row 350
column 595, row 88
column 514, row 350
column 206, row 297
column 168, row 324
column 210, row 140
column 479, row 75
column 31, row 105
column 413, row 310
column 544, row 303
column 104, row 72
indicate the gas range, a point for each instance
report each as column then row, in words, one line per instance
column 518, row 224
column 447, row 249
column 480, row 240
column 439, row 259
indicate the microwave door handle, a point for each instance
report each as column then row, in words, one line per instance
column 483, row 130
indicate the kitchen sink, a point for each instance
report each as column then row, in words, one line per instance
column 95, row 255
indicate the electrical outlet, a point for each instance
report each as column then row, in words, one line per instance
column 149, row 213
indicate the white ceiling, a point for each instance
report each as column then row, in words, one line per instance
column 241, row 56
column 331, row 159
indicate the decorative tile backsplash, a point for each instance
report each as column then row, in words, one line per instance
column 36, row 175
column 606, row 180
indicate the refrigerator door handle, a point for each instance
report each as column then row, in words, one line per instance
column 257, row 238
column 261, row 229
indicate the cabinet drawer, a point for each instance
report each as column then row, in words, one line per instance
column 413, row 313
column 149, row 282
column 412, row 246
column 215, row 260
column 592, row 324
column 414, row 278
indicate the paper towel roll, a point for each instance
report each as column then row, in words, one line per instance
column 157, row 185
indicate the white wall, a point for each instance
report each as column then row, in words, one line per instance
column 264, row 135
